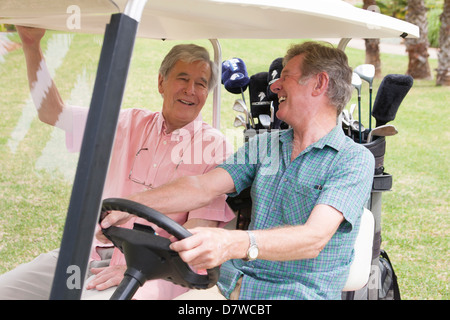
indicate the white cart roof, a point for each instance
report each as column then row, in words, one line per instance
column 214, row 19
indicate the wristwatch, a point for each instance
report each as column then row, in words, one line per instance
column 252, row 252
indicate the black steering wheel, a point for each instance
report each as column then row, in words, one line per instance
column 148, row 255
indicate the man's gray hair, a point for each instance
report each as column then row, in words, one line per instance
column 189, row 53
column 323, row 57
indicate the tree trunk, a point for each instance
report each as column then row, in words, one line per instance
column 373, row 55
column 417, row 49
column 373, row 45
column 443, row 70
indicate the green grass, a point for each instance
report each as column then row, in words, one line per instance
column 415, row 219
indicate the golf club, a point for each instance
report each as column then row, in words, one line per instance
column 344, row 121
column 272, row 114
column 367, row 73
column 356, row 125
column 240, row 106
column 243, row 96
column 235, row 80
column 356, row 82
column 345, row 117
column 240, row 121
column 264, row 119
column 382, row 131
column 352, row 109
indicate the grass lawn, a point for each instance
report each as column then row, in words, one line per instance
column 36, row 172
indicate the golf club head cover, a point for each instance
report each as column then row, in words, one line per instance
column 259, row 103
column 274, row 74
column 258, row 88
column 234, row 75
column 392, row 91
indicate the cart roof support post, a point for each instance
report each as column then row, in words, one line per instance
column 86, row 198
column 216, row 95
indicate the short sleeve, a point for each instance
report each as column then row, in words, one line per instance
column 242, row 165
column 349, row 184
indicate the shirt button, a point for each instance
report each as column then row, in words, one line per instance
column 164, row 142
column 154, row 165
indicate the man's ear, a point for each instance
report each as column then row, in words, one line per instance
column 321, row 84
column 160, row 84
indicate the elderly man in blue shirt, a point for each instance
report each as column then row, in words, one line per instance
column 308, row 185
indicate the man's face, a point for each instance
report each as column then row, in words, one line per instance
column 185, row 91
column 292, row 95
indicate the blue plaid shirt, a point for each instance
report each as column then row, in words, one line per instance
column 333, row 171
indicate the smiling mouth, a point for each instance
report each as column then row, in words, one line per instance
column 188, row 103
column 281, row 99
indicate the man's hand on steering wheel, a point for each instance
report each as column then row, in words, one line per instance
column 209, row 247
column 113, row 218
column 148, row 255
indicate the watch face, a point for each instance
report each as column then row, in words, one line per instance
column 253, row 253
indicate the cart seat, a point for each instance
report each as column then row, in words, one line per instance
column 361, row 265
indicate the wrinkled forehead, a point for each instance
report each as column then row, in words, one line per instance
column 191, row 67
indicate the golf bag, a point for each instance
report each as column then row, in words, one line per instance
column 389, row 289
column 382, row 284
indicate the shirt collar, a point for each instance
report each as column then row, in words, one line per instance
column 334, row 139
column 187, row 130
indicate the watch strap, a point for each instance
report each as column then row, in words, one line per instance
column 252, row 238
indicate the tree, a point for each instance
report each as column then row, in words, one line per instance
column 418, row 66
column 443, row 70
column 372, row 45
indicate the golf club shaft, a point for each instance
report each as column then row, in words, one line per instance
column 359, row 118
column 370, row 109
column 243, row 96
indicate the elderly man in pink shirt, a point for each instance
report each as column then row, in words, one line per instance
column 150, row 149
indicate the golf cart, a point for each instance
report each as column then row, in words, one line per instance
column 177, row 19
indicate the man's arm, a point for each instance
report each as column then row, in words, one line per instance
column 303, row 241
column 46, row 97
column 184, row 194
column 210, row 247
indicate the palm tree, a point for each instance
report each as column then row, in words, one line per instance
column 417, row 49
column 443, row 70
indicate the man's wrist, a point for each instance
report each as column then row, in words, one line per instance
column 239, row 244
column 253, row 249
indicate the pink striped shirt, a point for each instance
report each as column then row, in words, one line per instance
column 191, row 150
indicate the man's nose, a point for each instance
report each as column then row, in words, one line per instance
column 276, row 86
column 190, row 87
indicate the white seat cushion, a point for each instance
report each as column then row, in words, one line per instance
column 361, row 265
